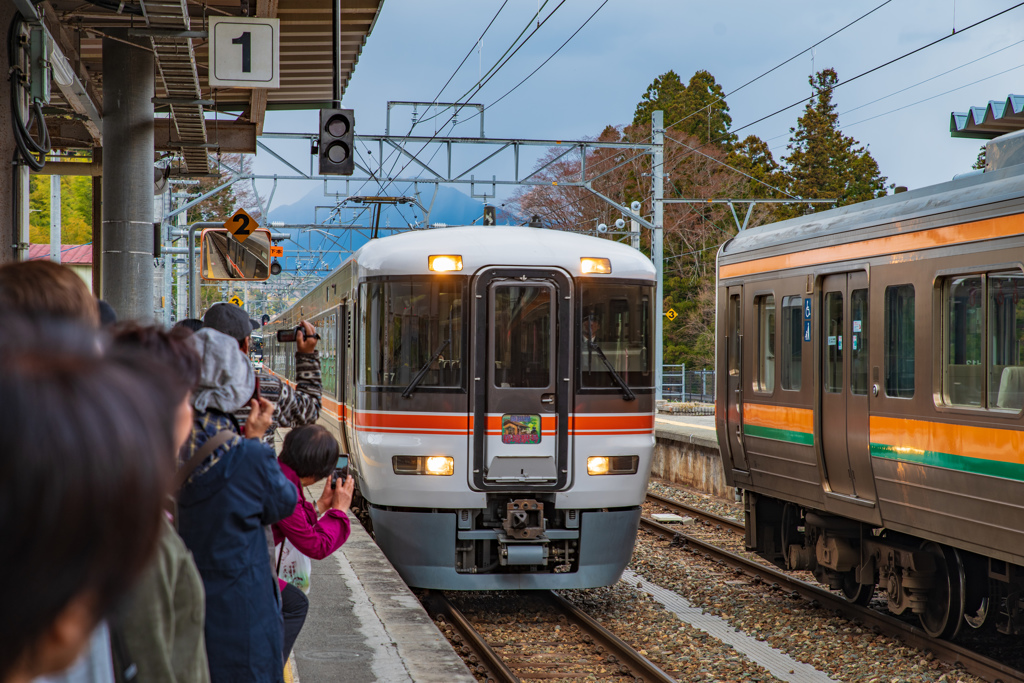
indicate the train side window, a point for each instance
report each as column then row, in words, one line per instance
column 899, row 341
column 764, row 310
column 792, row 341
column 964, row 378
column 1006, row 340
column 859, row 342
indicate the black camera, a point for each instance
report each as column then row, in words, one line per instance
column 340, row 472
column 293, row 335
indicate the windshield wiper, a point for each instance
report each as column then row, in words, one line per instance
column 627, row 393
column 423, row 371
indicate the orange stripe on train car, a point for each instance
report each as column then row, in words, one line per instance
column 974, row 231
column 592, row 423
column 779, row 417
column 916, row 436
column 413, row 421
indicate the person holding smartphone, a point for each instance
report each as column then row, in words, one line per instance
column 293, row 407
column 309, row 455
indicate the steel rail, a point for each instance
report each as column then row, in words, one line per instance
column 972, row 662
column 710, row 517
column 438, row 603
column 639, row 666
column 630, row 661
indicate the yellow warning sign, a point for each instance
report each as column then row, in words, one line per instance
column 671, row 314
column 241, row 225
column 236, row 301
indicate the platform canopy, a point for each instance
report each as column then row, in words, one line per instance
column 984, row 123
column 176, row 31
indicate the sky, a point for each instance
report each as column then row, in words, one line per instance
column 901, row 111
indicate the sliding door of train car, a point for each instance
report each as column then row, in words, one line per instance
column 845, row 385
column 734, row 382
column 521, row 396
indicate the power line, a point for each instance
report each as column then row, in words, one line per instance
column 779, row 66
column 860, row 75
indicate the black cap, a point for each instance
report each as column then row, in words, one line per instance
column 228, row 319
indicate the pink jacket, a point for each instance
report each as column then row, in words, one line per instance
column 315, row 538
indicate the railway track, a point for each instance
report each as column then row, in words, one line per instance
column 972, row 662
column 725, row 523
column 551, row 639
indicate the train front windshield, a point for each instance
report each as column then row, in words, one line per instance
column 411, row 325
column 616, row 334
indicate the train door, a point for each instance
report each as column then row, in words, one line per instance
column 734, row 397
column 521, row 387
column 844, row 391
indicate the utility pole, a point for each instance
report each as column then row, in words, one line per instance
column 657, row 249
column 55, row 218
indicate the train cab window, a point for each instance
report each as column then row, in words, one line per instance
column 522, row 336
column 899, row 341
column 764, row 310
column 859, row 342
column 792, row 342
column 616, row 332
column 409, row 326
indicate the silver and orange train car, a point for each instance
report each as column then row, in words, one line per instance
column 870, row 397
column 494, row 389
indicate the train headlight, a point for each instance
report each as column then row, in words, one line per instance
column 612, row 464
column 439, row 465
column 592, row 264
column 444, row 263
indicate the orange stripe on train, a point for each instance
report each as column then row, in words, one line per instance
column 974, row 231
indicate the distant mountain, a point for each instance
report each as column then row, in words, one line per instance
column 449, row 207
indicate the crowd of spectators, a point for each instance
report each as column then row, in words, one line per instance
column 141, row 498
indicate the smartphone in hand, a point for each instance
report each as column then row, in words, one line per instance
column 340, row 471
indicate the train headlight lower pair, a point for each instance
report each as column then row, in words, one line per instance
column 612, row 464
column 438, row 465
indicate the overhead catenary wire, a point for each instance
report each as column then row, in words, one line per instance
column 854, row 78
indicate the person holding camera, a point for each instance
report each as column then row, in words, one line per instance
column 292, row 407
column 310, row 454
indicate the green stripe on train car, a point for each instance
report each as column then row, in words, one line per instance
column 802, row 438
column 962, row 463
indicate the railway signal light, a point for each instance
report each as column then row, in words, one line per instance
column 337, row 149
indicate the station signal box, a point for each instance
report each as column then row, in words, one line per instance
column 337, row 142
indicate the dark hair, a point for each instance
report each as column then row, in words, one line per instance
column 171, row 347
column 193, row 324
column 311, row 451
column 44, row 288
column 85, row 464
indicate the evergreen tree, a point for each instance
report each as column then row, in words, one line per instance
column 824, row 163
column 697, row 109
column 979, row 163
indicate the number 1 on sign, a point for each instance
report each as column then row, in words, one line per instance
column 245, row 40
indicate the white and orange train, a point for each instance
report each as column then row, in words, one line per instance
column 494, row 387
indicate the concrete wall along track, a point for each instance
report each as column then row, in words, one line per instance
column 686, row 452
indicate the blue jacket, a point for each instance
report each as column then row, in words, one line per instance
column 221, row 513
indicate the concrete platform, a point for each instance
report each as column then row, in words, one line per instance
column 365, row 625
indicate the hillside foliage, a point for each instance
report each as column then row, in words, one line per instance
column 703, row 160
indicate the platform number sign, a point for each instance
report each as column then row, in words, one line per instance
column 807, row 319
column 244, row 52
column 241, row 225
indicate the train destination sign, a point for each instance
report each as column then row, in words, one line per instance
column 245, row 52
column 241, row 225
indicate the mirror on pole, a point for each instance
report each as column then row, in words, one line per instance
column 223, row 257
